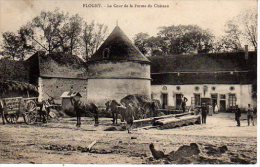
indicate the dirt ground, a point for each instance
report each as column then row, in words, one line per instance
column 60, row 141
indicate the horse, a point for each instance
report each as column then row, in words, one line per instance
column 85, row 108
column 128, row 116
column 142, row 105
column 116, row 109
column 126, row 111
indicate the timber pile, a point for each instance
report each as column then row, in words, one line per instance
column 177, row 121
column 167, row 121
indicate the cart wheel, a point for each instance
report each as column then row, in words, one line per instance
column 11, row 118
column 30, row 114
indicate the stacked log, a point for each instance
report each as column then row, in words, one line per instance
column 174, row 122
column 168, row 121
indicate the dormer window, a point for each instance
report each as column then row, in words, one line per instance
column 106, row 53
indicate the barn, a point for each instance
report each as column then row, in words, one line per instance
column 56, row 73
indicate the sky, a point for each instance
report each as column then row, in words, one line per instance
column 208, row 14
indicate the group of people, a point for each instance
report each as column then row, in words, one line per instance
column 250, row 115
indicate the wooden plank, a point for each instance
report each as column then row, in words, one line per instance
column 91, row 145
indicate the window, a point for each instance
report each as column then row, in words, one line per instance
column 164, row 88
column 197, row 99
column 232, row 100
column 106, row 53
column 214, row 99
column 222, row 96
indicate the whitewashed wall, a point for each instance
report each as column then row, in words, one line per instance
column 102, row 90
column 243, row 92
column 118, row 70
column 115, row 80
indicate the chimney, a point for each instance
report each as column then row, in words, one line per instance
column 246, row 52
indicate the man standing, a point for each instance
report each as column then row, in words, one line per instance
column 2, row 111
column 94, row 109
column 183, row 103
column 250, row 115
column 213, row 107
column 204, row 113
column 237, row 115
column 153, row 109
column 77, row 108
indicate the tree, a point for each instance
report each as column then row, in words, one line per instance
column 48, row 27
column 184, row 39
column 17, row 45
column 248, row 20
column 141, row 42
column 92, row 37
column 70, row 34
column 240, row 31
column 54, row 31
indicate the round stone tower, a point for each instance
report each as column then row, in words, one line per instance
column 117, row 69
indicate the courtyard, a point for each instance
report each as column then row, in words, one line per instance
column 60, row 141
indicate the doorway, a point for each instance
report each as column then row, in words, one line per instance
column 222, row 106
column 197, row 99
column 178, row 101
column 222, row 103
column 164, row 100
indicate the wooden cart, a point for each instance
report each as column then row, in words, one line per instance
column 13, row 108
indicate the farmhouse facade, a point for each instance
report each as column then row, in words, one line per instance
column 225, row 79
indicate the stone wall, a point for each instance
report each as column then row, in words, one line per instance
column 54, row 87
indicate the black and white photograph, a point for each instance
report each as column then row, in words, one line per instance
column 128, row 82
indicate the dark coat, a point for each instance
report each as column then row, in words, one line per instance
column 237, row 112
column 204, row 110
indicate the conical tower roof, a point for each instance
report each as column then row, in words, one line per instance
column 118, row 47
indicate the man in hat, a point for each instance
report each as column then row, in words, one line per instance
column 204, row 113
column 250, row 115
column 237, row 115
column 94, row 110
column 77, row 108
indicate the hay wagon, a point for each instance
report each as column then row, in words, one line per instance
column 13, row 108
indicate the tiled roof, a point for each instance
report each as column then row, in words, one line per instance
column 223, row 68
column 57, row 65
column 199, row 63
column 118, row 47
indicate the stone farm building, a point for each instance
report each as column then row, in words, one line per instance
column 118, row 69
